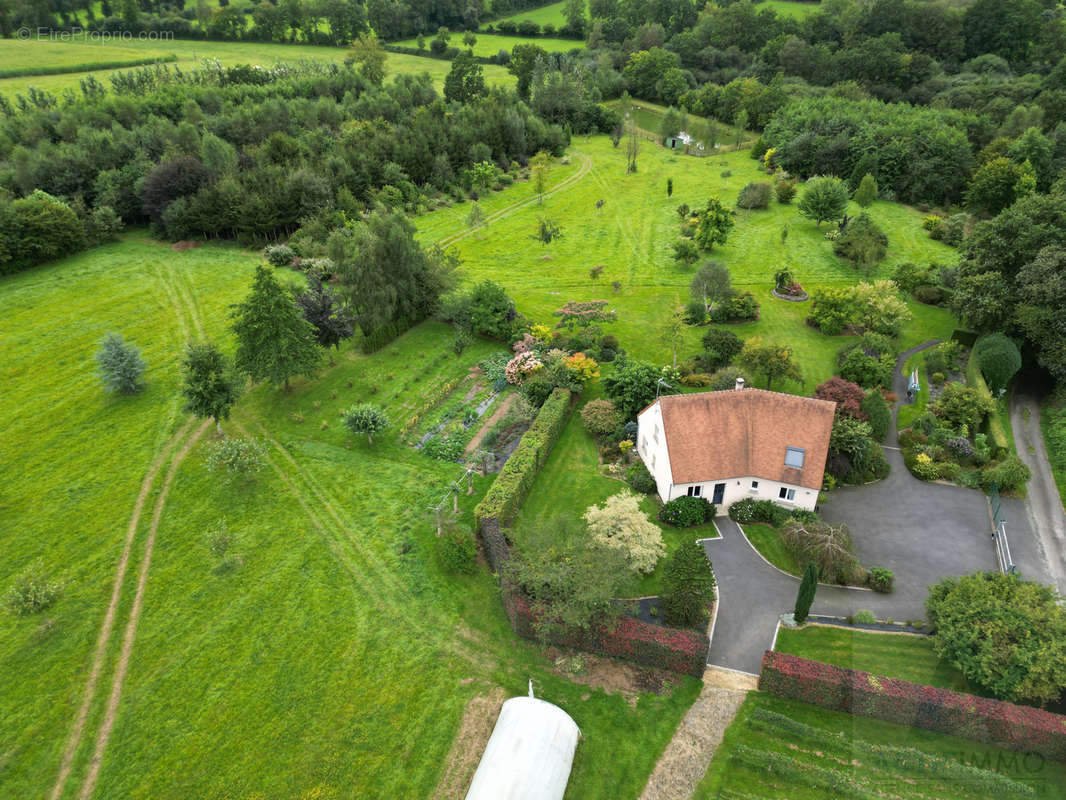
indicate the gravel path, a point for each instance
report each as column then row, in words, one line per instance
column 685, row 760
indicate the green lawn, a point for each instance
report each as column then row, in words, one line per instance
column 1053, row 426
column 545, row 15
column 894, row 655
column 793, row 9
column 852, row 757
column 490, row 44
column 767, row 540
column 14, row 53
column 336, row 660
column 571, row 481
column 632, row 234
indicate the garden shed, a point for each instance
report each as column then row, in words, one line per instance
column 529, row 754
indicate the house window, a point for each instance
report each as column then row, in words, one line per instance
column 787, row 494
column 695, row 491
column 754, row 485
column 794, row 457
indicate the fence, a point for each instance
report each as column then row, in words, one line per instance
column 999, row 532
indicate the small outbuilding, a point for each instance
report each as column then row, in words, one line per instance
column 529, row 754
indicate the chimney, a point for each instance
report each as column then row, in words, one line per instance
column 740, row 384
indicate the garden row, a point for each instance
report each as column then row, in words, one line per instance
column 981, row 719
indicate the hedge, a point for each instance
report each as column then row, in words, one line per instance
column 992, row 722
column 674, row 649
column 511, row 486
column 996, row 432
column 92, row 66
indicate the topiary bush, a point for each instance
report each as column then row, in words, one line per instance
column 685, row 512
column 639, row 479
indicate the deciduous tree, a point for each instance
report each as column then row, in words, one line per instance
column 210, row 386
column 823, row 198
column 620, row 524
column 332, row 320
column 366, row 418
column 771, row 361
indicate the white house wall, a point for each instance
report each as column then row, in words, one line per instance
column 651, row 447
column 740, row 489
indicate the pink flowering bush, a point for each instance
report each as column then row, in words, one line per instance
column 520, row 366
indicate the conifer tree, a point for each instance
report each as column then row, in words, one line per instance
column 688, row 585
column 121, row 365
column 805, row 596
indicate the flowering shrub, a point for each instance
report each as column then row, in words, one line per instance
column 673, row 649
column 584, row 368
column 525, row 345
column 684, row 512
column 989, row 721
column 520, row 366
column 751, row 510
column 924, row 468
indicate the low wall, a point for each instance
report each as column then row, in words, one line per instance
column 977, row 718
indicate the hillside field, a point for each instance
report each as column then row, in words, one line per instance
column 489, row 44
column 545, row 15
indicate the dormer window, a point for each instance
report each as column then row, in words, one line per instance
column 794, row 457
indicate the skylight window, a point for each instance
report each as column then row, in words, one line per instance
column 794, row 457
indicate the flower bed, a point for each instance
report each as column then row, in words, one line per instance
column 989, row 721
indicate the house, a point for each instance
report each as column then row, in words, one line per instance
column 727, row 446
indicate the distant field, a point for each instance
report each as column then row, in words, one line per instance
column 57, row 57
column 789, row 8
column 545, row 14
column 14, row 54
column 489, row 44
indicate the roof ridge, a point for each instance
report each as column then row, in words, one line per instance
column 745, row 389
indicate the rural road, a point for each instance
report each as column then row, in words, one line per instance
column 1045, row 506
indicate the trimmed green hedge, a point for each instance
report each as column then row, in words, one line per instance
column 511, row 486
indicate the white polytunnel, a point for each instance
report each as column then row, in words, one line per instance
column 529, row 754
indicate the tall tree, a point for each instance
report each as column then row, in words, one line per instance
column 805, row 596
column 688, row 585
column 333, row 322
column 465, row 81
column 210, row 385
column 274, row 341
column 524, row 60
column 772, row 361
column 712, row 283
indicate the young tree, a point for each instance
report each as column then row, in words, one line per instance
column 572, row 582
column 475, row 220
column 673, row 332
column 366, row 418
column 632, row 387
column 211, row 386
column 867, row 191
column 632, row 147
column 621, row 525
column 740, row 121
column 848, row 396
column 333, row 322
column 771, row 361
column 824, row 198
column 828, row 548
column 220, row 541
column 539, row 168
column 465, row 81
column 238, row 458
column 274, row 341
column 713, row 224
column 712, row 283
column 720, row 347
column 120, row 365
column 688, row 585
column 33, row 591
column 805, row 596
column 862, row 243
column 1006, row 635
column 547, row 232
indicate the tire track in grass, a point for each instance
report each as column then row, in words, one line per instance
column 111, row 710
column 184, row 289
column 374, row 574
column 96, row 666
column 506, row 211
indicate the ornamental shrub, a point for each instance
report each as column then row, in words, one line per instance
column 601, row 418
column 639, row 479
column 33, row 591
column 620, row 524
column 848, row 396
column 685, row 512
column 279, row 255
column 960, row 405
column 457, row 550
column 877, row 414
column 881, row 579
column 1010, row 475
column 785, row 191
column 751, row 510
column 239, row 458
column 755, row 195
column 741, row 307
column 688, row 586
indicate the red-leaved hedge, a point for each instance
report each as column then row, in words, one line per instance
column 673, row 649
column 992, row 722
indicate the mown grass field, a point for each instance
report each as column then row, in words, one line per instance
column 545, row 15
column 336, row 660
column 894, row 655
column 794, row 9
column 490, row 44
column 631, row 235
column 15, row 53
column 850, row 757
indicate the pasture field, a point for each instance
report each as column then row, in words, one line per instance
column 14, row 53
column 335, row 661
column 489, row 44
column 632, row 234
column 894, row 655
column 816, row 753
column 545, row 15
column 796, row 9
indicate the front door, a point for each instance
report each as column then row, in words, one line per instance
column 719, row 494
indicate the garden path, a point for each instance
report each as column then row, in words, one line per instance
column 684, row 762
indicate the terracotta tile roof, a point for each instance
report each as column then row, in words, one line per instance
column 737, row 433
